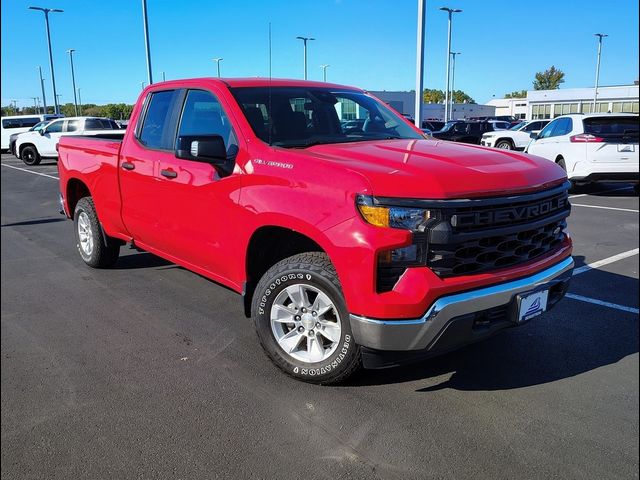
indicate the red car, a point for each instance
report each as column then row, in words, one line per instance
column 369, row 246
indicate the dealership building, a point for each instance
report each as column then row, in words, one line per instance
column 541, row 104
column 403, row 102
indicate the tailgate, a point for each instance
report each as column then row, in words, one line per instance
column 612, row 139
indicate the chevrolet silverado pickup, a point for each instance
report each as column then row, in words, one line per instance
column 369, row 246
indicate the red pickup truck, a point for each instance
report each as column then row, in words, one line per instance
column 363, row 245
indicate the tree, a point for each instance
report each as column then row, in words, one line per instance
column 549, row 79
column 460, row 97
column 516, row 94
column 433, row 96
column 437, row 96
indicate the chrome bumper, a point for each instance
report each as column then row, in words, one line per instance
column 424, row 332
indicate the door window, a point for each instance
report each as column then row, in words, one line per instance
column 203, row 115
column 55, row 127
column 548, row 130
column 158, row 128
column 72, row 125
column 564, row 126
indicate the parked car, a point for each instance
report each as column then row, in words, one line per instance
column 500, row 124
column 19, row 124
column 516, row 138
column 591, row 148
column 464, row 132
column 432, row 125
column 409, row 117
column 366, row 248
column 31, row 147
column 14, row 136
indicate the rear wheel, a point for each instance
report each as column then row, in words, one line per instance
column 574, row 187
column 30, row 155
column 504, row 145
column 97, row 250
column 302, row 320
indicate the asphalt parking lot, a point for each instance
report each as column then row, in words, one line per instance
column 150, row 371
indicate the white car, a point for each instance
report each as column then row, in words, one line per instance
column 19, row 124
column 516, row 138
column 31, row 147
column 591, row 148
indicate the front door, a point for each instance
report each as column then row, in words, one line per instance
column 198, row 202
column 46, row 143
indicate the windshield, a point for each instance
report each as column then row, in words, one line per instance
column 448, row 126
column 38, row 126
column 303, row 116
column 518, row 126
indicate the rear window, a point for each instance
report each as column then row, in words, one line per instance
column 100, row 124
column 612, row 127
column 26, row 122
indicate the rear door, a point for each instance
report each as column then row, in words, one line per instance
column 199, row 202
column 611, row 139
column 151, row 143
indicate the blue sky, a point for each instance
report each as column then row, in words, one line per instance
column 368, row 43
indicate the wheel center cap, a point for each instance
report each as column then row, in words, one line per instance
column 308, row 321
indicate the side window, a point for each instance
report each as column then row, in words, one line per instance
column 203, row 115
column 55, row 127
column 532, row 126
column 72, row 126
column 546, row 132
column 158, row 128
column 565, row 125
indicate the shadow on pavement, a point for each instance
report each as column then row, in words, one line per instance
column 573, row 338
column 34, row 222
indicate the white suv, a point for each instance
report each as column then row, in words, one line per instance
column 516, row 138
column 32, row 146
column 591, row 148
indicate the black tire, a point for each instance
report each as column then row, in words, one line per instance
column 312, row 269
column 30, row 156
column 574, row 187
column 102, row 254
column 504, row 144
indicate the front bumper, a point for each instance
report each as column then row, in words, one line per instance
column 456, row 320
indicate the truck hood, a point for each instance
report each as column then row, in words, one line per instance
column 441, row 169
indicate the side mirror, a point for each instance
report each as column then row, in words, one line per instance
column 42, row 131
column 534, row 135
column 202, row 148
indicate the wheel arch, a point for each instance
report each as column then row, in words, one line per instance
column 74, row 191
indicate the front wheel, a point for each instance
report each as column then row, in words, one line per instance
column 302, row 320
column 30, row 155
column 504, row 145
column 97, row 250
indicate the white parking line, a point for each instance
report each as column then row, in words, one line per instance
column 604, row 304
column 600, row 191
column 30, row 171
column 606, row 261
column 605, row 208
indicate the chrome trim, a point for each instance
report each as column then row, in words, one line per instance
column 420, row 333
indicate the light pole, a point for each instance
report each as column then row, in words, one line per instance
column 142, row 85
column 595, row 92
column 305, row 40
column 44, row 99
column 324, row 71
column 35, row 105
column 453, row 78
column 46, row 12
column 147, row 46
column 450, row 11
column 73, row 80
column 218, row 60
column 419, row 63
column 163, row 77
column 79, row 101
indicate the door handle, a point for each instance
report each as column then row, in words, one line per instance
column 128, row 165
column 168, row 173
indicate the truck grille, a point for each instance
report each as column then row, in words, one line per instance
column 490, row 234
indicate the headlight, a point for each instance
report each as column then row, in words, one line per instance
column 413, row 219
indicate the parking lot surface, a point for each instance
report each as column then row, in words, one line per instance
column 147, row 370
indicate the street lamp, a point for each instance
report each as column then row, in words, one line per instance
column 324, row 71
column 450, row 11
column 595, row 93
column 147, row 46
column 44, row 99
column 73, row 80
column 46, row 12
column 453, row 77
column 305, row 40
column 218, row 60
column 418, row 100
column 35, row 104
